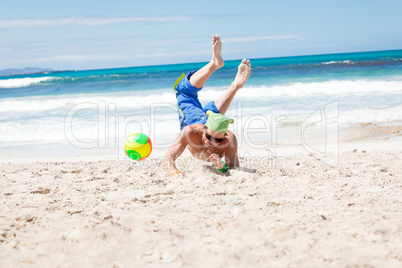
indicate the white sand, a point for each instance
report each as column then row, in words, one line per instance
column 113, row 214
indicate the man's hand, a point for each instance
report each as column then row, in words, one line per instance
column 216, row 160
column 175, row 150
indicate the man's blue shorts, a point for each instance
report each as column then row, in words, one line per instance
column 190, row 109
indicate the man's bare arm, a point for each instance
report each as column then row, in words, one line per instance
column 231, row 155
column 174, row 151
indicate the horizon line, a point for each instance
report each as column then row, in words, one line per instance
column 277, row 57
column 184, row 63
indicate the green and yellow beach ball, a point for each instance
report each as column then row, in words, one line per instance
column 138, row 146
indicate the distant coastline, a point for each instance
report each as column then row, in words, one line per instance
column 29, row 70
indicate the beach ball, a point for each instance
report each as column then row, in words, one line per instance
column 138, row 146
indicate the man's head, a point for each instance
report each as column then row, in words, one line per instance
column 215, row 130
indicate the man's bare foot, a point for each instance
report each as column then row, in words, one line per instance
column 217, row 60
column 243, row 74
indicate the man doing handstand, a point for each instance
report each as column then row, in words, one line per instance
column 204, row 130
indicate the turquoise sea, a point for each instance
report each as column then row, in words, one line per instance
column 92, row 111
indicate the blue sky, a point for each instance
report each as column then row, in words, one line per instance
column 106, row 34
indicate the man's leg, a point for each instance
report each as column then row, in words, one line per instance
column 242, row 75
column 201, row 76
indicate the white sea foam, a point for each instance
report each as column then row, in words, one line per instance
column 23, row 82
column 138, row 101
column 80, row 130
column 41, row 119
column 372, row 115
column 315, row 88
column 163, row 128
column 338, row 62
column 263, row 115
column 65, row 102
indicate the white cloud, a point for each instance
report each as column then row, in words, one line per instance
column 107, row 57
column 244, row 39
column 29, row 23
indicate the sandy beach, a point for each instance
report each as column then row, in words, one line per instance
column 300, row 100
column 113, row 213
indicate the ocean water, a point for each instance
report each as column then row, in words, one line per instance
column 91, row 112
